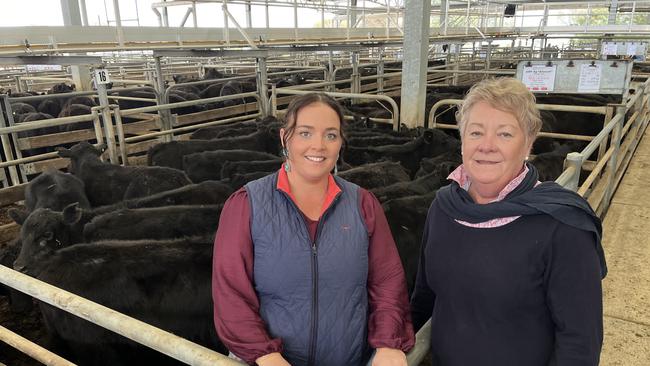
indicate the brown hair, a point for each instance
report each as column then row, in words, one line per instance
column 301, row 102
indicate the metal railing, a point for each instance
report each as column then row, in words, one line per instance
column 395, row 110
column 136, row 330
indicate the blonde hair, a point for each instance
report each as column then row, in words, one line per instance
column 507, row 95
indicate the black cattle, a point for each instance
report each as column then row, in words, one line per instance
column 423, row 185
column 212, row 91
column 55, row 190
column 211, row 132
column 204, row 193
column 207, row 165
column 76, row 110
column 107, row 184
column 430, row 144
column 61, row 228
column 131, row 104
column 406, row 217
column 165, row 222
column 176, row 96
column 239, row 180
column 237, row 87
column 163, row 283
column 230, row 168
column 80, row 99
column 376, row 175
column 19, row 109
column 551, row 164
column 428, row 165
column 61, row 88
column 170, row 154
column 50, row 106
column 377, row 140
column 31, row 117
column 33, row 103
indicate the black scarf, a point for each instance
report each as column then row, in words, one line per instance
column 527, row 199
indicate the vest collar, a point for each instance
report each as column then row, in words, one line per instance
column 332, row 189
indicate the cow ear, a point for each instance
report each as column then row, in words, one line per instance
column 63, row 152
column 18, row 215
column 71, row 215
column 428, row 136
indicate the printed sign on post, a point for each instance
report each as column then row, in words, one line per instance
column 631, row 49
column 101, row 76
column 609, row 48
column 589, row 78
column 539, row 78
column 31, row 68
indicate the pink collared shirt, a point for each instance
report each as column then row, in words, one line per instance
column 459, row 175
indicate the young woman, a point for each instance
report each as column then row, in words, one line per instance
column 306, row 271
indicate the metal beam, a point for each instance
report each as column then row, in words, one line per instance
column 210, row 53
column 414, row 66
column 50, row 60
column 71, row 13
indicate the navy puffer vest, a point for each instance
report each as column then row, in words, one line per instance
column 312, row 295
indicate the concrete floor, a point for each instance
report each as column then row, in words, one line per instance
column 626, row 289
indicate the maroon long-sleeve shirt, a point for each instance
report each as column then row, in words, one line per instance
column 236, row 306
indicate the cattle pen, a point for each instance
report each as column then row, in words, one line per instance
column 205, row 104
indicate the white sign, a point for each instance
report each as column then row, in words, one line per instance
column 609, row 48
column 589, row 78
column 43, row 68
column 101, row 76
column 539, row 78
column 631, row 49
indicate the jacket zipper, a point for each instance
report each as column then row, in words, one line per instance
column 311, row 361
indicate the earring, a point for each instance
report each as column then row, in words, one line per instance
column 285, row 153
column 336, row 166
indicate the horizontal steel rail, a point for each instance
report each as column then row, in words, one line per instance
column 136, row 330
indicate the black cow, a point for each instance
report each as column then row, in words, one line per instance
column 19, row 109
column 239, row 180
column 55, row 190
column 165, row 222
column 163, row 283
column 204, row 193
column 50, row 106
column 376, row 175
column 230, row 168
column 207, row 165
column 430, row 144
column 107, row 184
column 551, row 164
column 406, row 217
column 170, row 154
column 237, row 87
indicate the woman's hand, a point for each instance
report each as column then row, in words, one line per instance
column 389, row 357
column 275, row 359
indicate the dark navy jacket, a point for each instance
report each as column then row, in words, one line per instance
column 312, row 295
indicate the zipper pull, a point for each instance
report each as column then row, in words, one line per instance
column 313, row 248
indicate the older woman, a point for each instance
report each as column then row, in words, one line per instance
column 510, row 269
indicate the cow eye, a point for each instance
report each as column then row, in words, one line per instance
column 48, row 235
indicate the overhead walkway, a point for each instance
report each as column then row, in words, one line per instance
column 626, row 289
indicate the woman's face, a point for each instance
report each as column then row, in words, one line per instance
column 314, row 146
column 494, row 148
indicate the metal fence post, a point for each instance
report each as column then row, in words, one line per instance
column 613, row 160
column 162, row 98
column 15, row 172
column 108, row 123
column 574, row 160
column 262, row 88
column 380, row 71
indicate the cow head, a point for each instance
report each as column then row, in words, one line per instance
column 43, row 232
column 80, row 153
